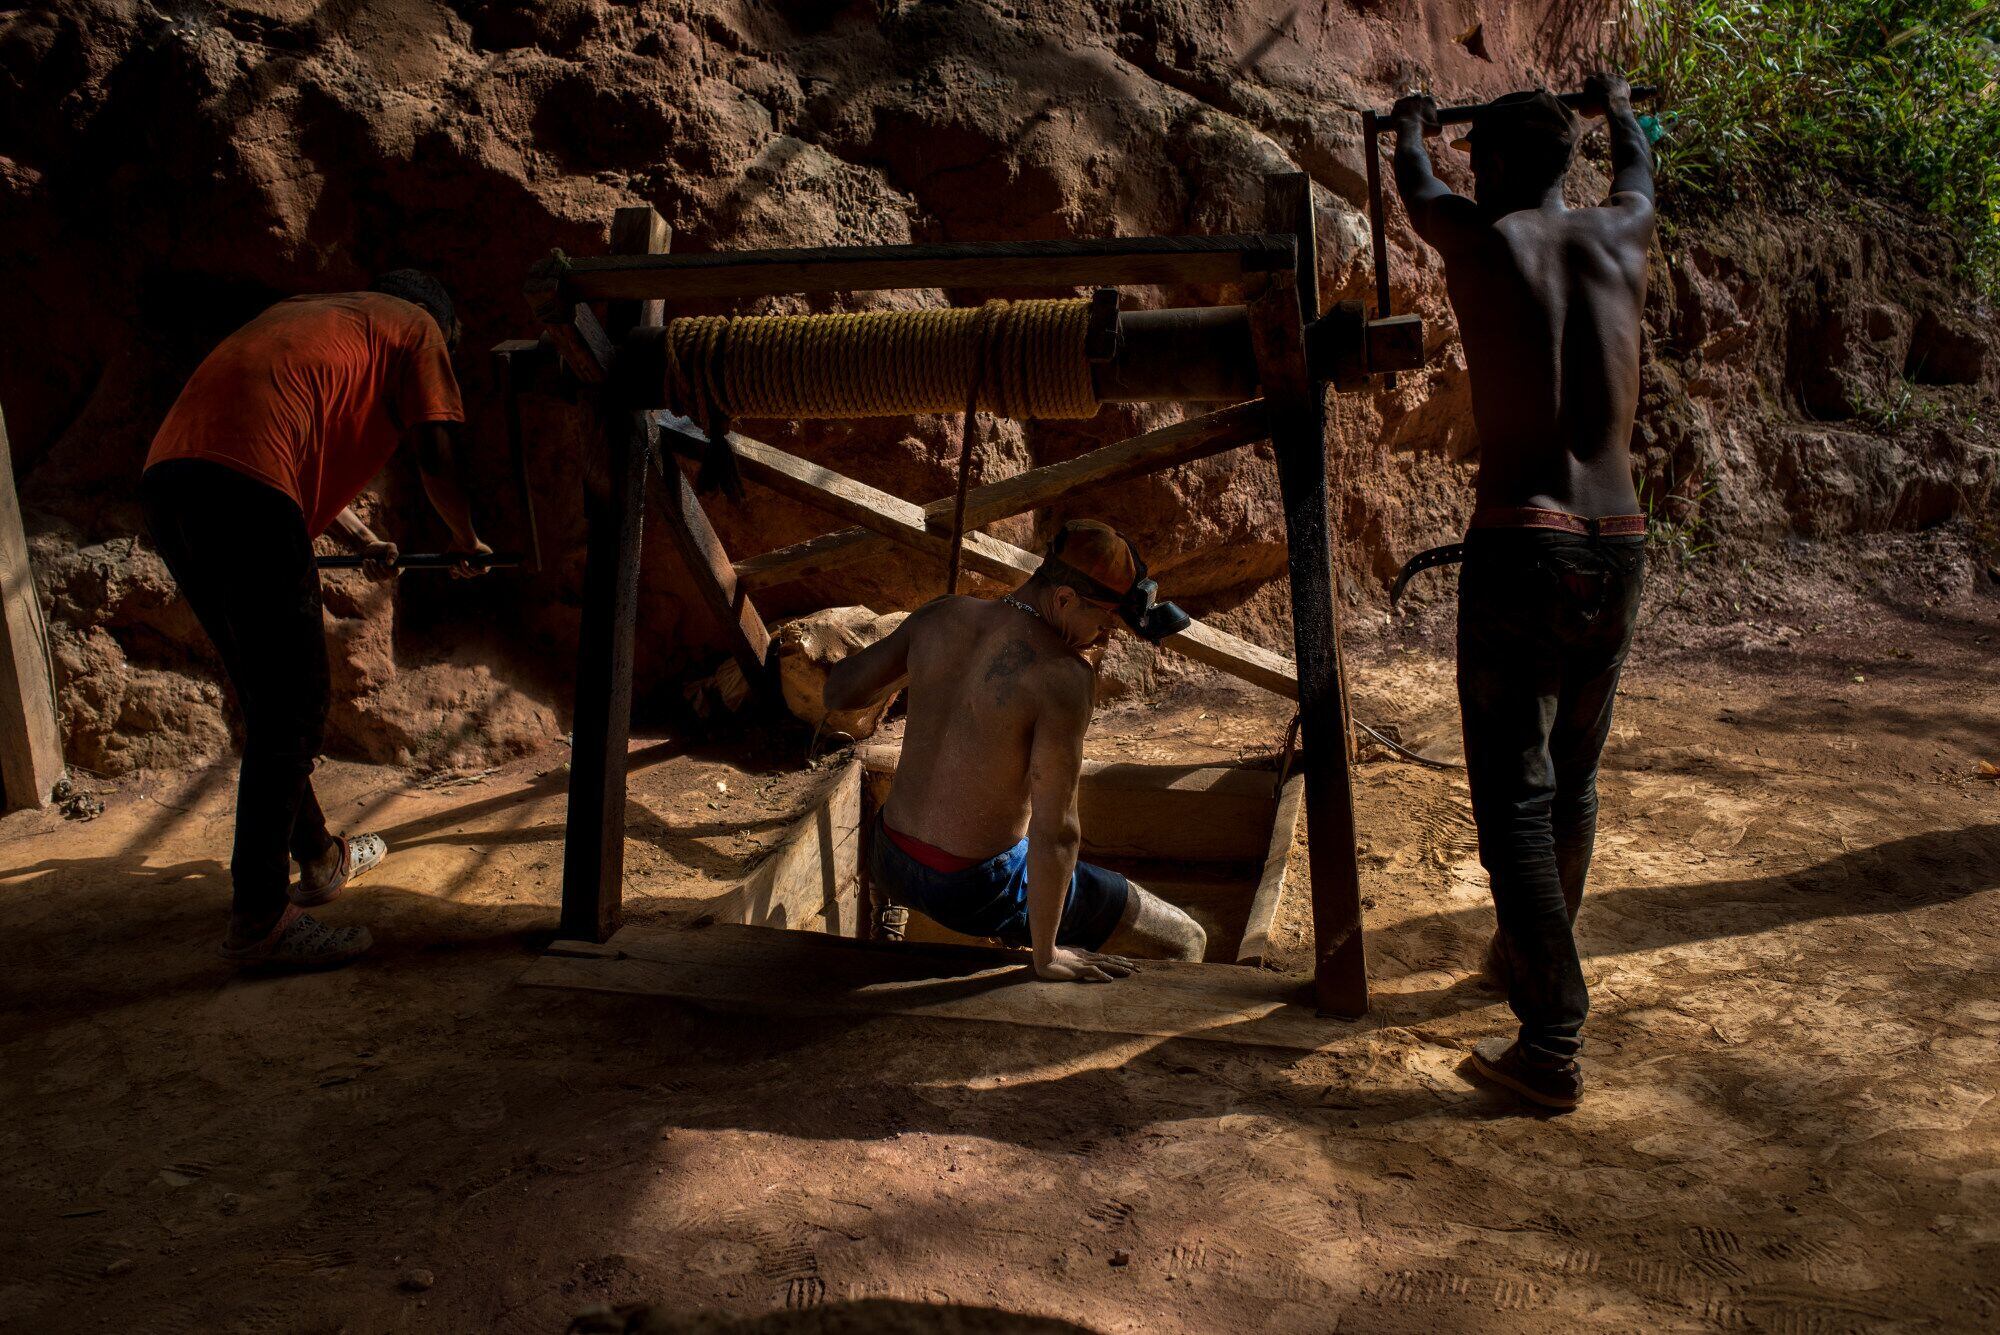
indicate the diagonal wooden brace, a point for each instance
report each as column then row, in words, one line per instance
column 905, row 524
column 1182, row 442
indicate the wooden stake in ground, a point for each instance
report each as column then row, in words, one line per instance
column 30, row 746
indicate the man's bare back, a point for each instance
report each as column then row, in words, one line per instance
column 981, row 828
column 1548, row 301
column 983, row 675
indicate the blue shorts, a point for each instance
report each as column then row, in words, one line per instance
column 990, row 898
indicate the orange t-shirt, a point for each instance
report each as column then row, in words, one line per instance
column 312, row 396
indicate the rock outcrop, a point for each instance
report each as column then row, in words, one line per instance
column 165, row 173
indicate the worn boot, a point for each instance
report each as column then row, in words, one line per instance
column 1550, row 1086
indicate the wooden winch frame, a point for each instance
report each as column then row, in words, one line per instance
column 1278, row 342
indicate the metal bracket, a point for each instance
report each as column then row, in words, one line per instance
column 1104, row 337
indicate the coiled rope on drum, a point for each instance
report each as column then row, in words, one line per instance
column 1020, row 359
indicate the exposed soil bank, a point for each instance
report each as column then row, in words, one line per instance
column 162, row 176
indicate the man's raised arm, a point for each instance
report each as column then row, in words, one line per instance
column 1608, row 95
column 1430, row 202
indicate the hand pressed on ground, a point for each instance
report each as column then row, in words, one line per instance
column 1066, row 964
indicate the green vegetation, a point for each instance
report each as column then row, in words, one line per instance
column 1677, row 536
column 1770, row 100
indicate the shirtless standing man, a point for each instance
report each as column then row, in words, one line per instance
column 1548, row 301
column 980, row 831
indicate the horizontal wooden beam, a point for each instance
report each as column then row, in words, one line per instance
column 905, row 523
column 1170, row 260
column 1183, row 442
column 1237, row 657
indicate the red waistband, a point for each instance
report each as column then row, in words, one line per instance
column 1529, row 516
column 937, row 859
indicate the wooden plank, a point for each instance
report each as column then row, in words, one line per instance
column 1168, row 447
column 906, row 524
column 1112, row 262
column 1237, row 657
column 810, row 881
column 30, row 742
column 587, row 950
column 584, row 346
column 761, row 970
column 1190, row 813
column 715, row 578
column 815, row 556
column 1272, row 884
column 1298, row 431
column 637, row 230
column 857, row 502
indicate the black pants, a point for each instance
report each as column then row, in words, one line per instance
column 1544, row 621
column 240, row 553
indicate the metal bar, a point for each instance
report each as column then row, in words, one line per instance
column 426, row 561
column 1464, row 112
column 1176, row 261
column 516, row 359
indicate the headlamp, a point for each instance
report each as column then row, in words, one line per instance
column 1139, row 607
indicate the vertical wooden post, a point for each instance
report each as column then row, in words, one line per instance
column 594, row 842
column 30, row 745
column 638, row 230
column 1298, row 433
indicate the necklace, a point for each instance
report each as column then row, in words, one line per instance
column 1020, row 606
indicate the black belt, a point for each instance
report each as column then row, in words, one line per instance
column 1449, row 554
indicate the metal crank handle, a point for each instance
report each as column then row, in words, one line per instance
column 425, row 561
column 1458, row 115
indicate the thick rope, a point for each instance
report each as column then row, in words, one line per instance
column 968, row 427
column 883, row 363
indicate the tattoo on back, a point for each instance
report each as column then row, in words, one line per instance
column 1014, row 657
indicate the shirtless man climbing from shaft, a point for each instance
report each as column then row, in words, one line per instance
column 980, row 831
column 1548, row 301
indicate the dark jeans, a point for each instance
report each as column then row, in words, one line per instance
column 1544, row 620
column 240, row 553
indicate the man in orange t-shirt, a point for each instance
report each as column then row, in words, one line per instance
column 280, row 427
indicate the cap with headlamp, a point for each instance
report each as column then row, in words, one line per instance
column 1138, row 606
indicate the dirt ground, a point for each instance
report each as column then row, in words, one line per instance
column 1790, row 935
